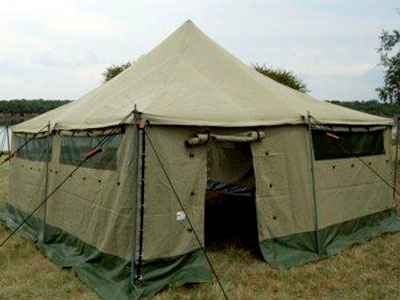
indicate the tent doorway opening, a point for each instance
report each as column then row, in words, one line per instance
column 230, row 212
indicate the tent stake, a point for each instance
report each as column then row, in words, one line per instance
column 396, row 119
column 314, row 192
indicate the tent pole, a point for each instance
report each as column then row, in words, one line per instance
column 142, row 184
column 314, row 192
column 396, row 119
column 46, row 183
column 137, row 259
column 137, row 198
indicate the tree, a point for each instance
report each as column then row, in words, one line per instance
column 114, row 70
column 283, row 76
column 17, row 110
column 390, row 60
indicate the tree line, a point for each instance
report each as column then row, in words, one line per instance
column 26, row 106
column 373, row 107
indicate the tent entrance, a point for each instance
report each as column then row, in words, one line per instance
column 230, row 212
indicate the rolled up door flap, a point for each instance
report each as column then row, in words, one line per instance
column 247, row 137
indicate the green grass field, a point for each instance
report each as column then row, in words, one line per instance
column 369, row 271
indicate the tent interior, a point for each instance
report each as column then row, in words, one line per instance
column 230, row 211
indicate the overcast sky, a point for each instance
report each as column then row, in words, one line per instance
column 58, row 49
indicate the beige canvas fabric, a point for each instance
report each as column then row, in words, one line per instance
column 27, row 185
column 190, row 80
column 103, row 213
column 165, row 235
column 283, row 182
column 347, row 189
column 97, row 206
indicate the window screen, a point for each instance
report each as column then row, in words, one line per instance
column 37, row 149
column 349, row 144
column 75, row 148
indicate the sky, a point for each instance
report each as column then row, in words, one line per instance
column 59, row 49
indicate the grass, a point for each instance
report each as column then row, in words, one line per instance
column 368, row 271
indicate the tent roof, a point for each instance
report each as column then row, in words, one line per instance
column 190, row 80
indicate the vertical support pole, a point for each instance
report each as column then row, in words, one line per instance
column 46, row 183
column 396, row 162
column 314, row 192
column 8, row 139
column 137, row 259
column 136, row 197
column 142, row 186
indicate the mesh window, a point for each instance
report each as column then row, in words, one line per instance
column 35, row 149
column 74, row 149
column 349, row 144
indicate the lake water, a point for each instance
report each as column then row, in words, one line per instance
column 3, row 139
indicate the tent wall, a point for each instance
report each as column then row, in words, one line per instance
column 347, row 189
column 28, row 183
column 89, row 223
column 354, row 205
column 351, row 203
column 96, row 205
column 168, row 241
column 283, row 194
column 187, row 169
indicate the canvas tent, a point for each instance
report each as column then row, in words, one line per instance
column 183, row 114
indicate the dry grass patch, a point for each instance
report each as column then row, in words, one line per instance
column 369, row 271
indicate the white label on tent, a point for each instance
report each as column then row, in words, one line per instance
column 180, row 216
